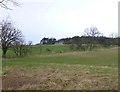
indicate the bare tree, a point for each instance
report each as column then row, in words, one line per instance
column 92, row 32
column 4, row 3
column 113, row 35
column 9, row 35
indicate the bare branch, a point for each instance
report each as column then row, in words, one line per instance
column 4, row 3
column 4, row 6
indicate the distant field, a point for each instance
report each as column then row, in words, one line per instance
column 43, row 49
column 90, row 70
column 46, row 49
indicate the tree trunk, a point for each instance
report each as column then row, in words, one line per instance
column 4, row 52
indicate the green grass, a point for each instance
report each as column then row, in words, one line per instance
column 99, row 57
column 99, row 66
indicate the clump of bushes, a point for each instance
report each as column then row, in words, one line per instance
column 21, row 50
column 81, row 47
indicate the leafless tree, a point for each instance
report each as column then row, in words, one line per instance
column 4, row 3
column 92, row 32
column 9, row 35
column 114, row 35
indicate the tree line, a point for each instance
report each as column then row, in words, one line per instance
column 104, row 41
column 91, row 37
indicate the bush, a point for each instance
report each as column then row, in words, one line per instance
column 72, row 46
column 21, row 50
column 78, row 46
column 48, row 50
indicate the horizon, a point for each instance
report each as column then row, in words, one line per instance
column 63, row 18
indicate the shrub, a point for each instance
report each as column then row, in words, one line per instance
column 48, row 50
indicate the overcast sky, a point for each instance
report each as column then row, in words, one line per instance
column 63, row 18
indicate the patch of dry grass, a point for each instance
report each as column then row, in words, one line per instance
column 60, row 77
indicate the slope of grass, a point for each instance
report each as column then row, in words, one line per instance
column 90, row 70
column 46, row 49
column 99, row 57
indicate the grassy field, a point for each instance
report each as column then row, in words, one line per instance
column 35, row 50
column 77, row 70
column 47, row 49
